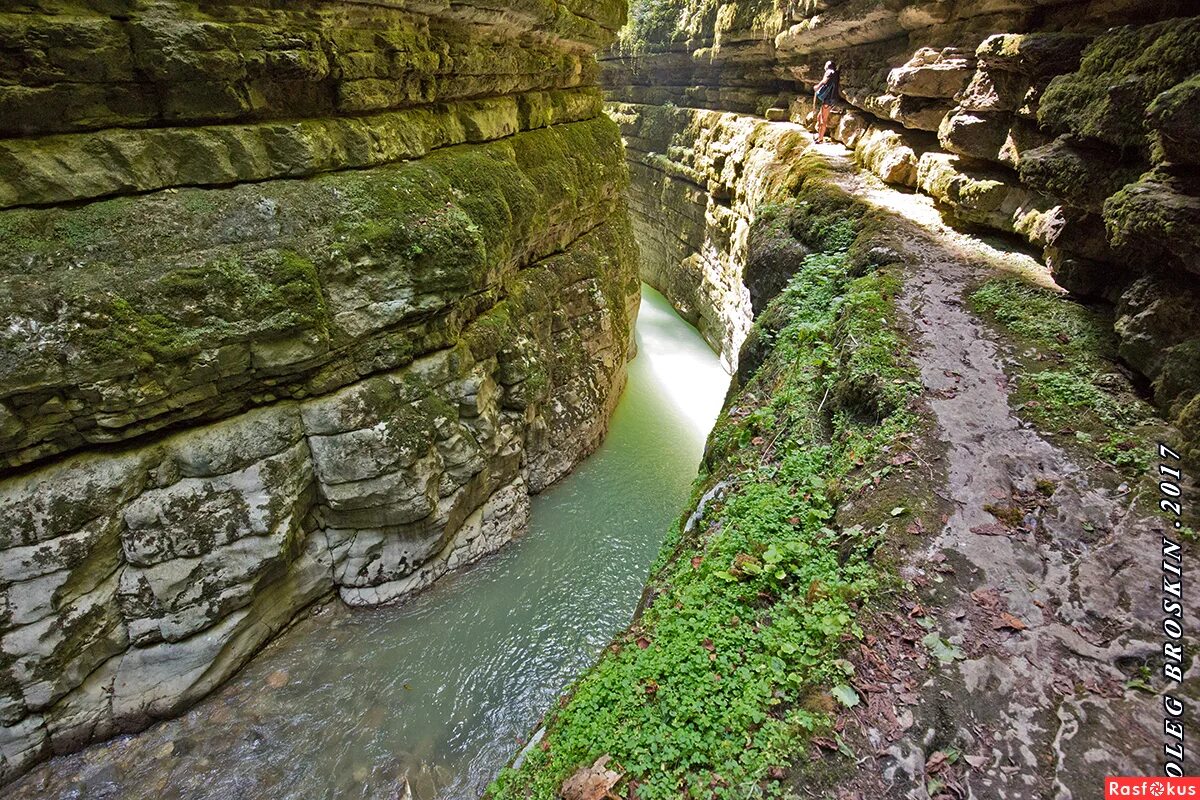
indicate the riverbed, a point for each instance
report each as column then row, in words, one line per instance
column 439, row 691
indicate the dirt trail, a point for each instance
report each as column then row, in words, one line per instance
column 1040, row 711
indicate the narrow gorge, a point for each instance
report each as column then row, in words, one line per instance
column 307, row 305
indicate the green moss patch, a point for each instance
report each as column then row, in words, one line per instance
column 1121, row 74
column 731, row 668
column 181, row 314
column 1068, row 381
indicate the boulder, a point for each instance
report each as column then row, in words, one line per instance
column 1174, row 119
column 1148, row 321
column 994, row 90
column 852, row 126
column 977, row 134
column 1188, row 423
column 1120, row 75
column 1156, row 221
column 1081, row 233
column 1178, row 380
column 1038, row 54
column 1084, row 277
column 890, row 154
column 914, row 113
column 1084, row 176
column 932, row 73
column 979, row 196
column 1023, row 136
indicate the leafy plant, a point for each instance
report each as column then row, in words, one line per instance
column 714, row 686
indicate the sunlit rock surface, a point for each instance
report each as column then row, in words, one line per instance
column 1068, row 124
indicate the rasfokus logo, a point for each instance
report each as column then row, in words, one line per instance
column 1151, row 787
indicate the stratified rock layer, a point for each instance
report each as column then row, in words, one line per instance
column 297, row 298
column 1068, row 124
column 697, row 179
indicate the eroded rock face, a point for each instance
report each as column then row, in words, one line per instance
column 367, row 284
column 692, row 209
column 1069, row 124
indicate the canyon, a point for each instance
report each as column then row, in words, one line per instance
column 923, row 556
column 1058, row 123
column 308, row 299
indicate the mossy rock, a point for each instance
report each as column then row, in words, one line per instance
column 1036, row 55
column 774, row 255
column 1174, row 117
column 72, row 65
column 655, row 24
column 1081, row 175
column 1179, row 378
column 1188, row 423
column 204, row 302
column 1155, row 221
column 1121, row 74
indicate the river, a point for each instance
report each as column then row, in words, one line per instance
column 440, row 689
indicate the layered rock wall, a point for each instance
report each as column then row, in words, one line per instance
column 296, row 297
column 1068, row 124
column 697, row 180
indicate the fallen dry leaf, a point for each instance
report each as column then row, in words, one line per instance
column 1009, row 621
column 591, row 783
column 986, row 598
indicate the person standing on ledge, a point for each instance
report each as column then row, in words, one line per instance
column 826, row 93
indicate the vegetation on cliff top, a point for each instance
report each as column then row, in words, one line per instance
column 654, row 24
column 737, row 659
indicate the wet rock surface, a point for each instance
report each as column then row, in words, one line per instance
column 1048, row 617
column 296, row 301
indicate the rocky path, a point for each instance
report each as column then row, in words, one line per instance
column 1049, row 617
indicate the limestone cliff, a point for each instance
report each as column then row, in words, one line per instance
column 296, row 297
column 1068, row 124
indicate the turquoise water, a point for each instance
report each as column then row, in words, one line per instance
column 440, row 689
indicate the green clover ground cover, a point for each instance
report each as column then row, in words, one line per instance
column 732, row 666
